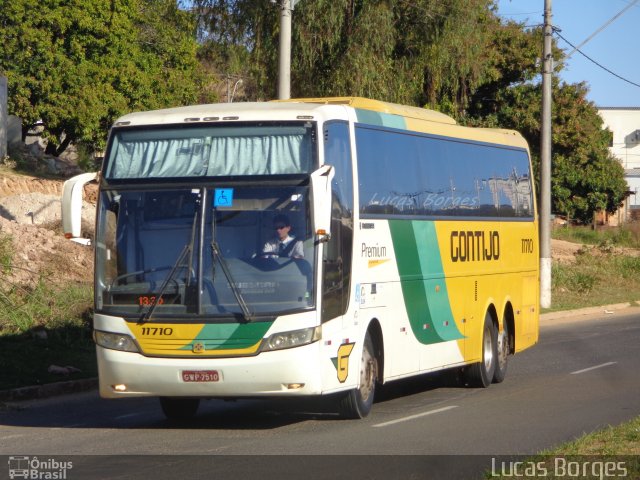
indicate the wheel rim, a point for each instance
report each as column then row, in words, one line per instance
column 367, row 375
column 488, row 349
column 503, row 347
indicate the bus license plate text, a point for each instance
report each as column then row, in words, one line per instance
column 200, row 376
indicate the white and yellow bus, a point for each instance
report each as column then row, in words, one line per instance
column 417, row 251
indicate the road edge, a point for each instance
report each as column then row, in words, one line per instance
column 48, row 390
column 76, row 386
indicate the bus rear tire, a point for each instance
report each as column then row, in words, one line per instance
column 357, row 403
column 179, row 408
column 503, row 348
column 481, row 374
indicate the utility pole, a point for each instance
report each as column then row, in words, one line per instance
column 545, row 163
column 284, row 64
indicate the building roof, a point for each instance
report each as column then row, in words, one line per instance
column 618, row 108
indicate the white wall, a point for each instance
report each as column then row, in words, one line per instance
column 625, row 125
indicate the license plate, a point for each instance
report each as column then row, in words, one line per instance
column 200, row 376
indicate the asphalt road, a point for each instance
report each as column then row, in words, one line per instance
column 580, row 377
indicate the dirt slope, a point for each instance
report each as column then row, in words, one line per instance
column 30, row 214
column 30, row 217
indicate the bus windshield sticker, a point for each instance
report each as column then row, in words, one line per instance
column 223, row 197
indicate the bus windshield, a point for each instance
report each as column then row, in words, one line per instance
column 209, row 251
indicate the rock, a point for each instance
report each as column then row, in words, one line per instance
column 57, row 370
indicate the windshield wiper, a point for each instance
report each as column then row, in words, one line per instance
column 187, row 250
column 217, row 254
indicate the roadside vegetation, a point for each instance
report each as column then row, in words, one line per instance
column 625, row 236
column 605, row 269
column 45, row 328
column 595, row 279
column 613, row 448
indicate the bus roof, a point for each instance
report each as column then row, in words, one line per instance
column 419, row 120
column 368, row 111
column 382, row 107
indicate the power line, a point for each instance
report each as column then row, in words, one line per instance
column 593, row 61
column 606, row 24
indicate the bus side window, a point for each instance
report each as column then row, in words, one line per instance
column 337, row 256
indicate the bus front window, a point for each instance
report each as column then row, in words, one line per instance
column 186, row 252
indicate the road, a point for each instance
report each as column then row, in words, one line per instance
column 580, row 377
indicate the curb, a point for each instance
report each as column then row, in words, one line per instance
column 580, row 312
column 76, row 386
column 48, row 390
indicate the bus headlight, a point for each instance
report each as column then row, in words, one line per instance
column 115, row 341
column 294, row 338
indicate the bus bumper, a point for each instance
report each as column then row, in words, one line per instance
column 290, row 372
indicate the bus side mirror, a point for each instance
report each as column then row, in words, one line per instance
column 72, row 191
column 321, row 191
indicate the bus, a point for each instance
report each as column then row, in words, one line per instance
column 417, row 251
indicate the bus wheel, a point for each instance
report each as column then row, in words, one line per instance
column 503, row 348
column 481, row 374
column 179, row 408
column 357, row 403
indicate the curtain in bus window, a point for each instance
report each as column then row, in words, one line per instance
column 193, row 153
column 158, row 158
column 256, row 155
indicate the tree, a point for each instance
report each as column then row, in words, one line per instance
column 76, row 65
column 454, row 56
column 585, row 178
column 415, row 52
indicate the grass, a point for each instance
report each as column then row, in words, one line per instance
column 41, row 326
column 6, row 253
column 627, row 236
column 595, row 279
column 615, row 447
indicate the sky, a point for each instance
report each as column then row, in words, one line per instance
column 615, row 48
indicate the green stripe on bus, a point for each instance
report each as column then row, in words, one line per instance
column 435, row 285
column 380, row 119
column 229, row 336
column 420, row 269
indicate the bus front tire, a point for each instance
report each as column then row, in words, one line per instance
column 179, row 408
column 481, row 374
column 357, row 403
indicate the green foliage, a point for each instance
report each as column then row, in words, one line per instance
column 572, row 280
column 42, row 325
column 455, row 56
column 45, row 304
column 597, row 277
column 6, row 253
column 24, row 308
column 26, row 357
column 585, row 178
column 78, row 64
column 625, row 236
column 629, row 267
column 420, row 52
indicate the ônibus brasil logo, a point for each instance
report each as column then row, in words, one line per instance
column 40, row 469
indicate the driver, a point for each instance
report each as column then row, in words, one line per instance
column 283, row 244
